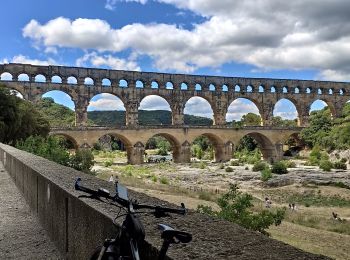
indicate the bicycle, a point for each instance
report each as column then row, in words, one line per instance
column 131, row 233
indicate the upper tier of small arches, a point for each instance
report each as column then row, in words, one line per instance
column 132, row 79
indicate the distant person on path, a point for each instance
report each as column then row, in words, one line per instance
column 292, row 206
column 336, row 216
column 267, row 203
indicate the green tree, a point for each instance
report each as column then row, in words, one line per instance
column 50, row 148
column 19, row 119
column 236, row 207
column 319, row 127
column 247, row 142
column 203, row 142
column 251, row 119
column 279, row 121
column 56, row 114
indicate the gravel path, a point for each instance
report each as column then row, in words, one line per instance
column 21, row 235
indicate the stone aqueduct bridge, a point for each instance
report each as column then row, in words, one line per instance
column 82, row 84
column 223, row 139
column 176, row 89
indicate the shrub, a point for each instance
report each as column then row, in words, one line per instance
column 259, row 166
column 313, row 160
column 154, row 178
column 290, row 164
column 234, row 163
column 229, row 169
column 339, row 165
column 326, row 165
column 83, row 160
column 235, row 206
column 108, row 163
column 279, row 168
column 202, row 165
column 97, row 146
column 164, row 180
column 266, row 174
column 52, row 149
column 246, row 168
column 343, row 160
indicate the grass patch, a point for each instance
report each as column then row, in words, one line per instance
column 204, row 195
column 318, row 200
column 164, row 180
column 199, row 165
column 320, row 223
column 131, row 170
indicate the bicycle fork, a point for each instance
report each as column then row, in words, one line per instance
column 164, row 249
column 106, row 244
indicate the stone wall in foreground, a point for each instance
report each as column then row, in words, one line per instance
column 77, row 226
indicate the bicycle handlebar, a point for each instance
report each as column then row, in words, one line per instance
column 158, row 210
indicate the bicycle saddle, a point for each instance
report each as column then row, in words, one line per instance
column 174, row 236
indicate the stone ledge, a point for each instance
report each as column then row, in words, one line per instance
column 77, row 226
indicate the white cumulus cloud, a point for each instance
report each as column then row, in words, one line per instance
column 239, row 108
column 108, row 60
column 198, row 106
column 153, row 102
column 105, row 102
column 111, row 4
column 271, row 34
column 26, row 60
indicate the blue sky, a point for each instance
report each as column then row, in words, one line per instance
column 303, row 40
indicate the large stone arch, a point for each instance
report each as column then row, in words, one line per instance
column 175, row 145
column 123, row 138
column 17, row 88
column 254, row 101
column 60, row 92
column 267, row 147
column 201, row 97
column 70, row 138
column 163, row 104
column 294, row 102
column 6, row 76
column 218, row 145
column 330, row 105
column 134, row 151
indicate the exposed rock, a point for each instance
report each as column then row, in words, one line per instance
column 310, row 176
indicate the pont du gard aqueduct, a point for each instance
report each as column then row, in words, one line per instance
column 82, row 84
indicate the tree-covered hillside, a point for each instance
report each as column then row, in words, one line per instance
column 156, row 117
column 56, row 114
column 59, row 115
